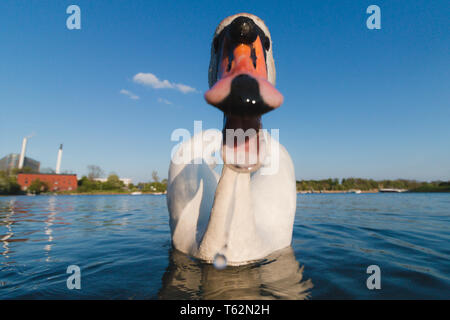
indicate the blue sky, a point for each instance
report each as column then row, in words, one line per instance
column 358, row 102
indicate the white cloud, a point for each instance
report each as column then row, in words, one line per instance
column 161, row 100
column 149, row 79
column 184, row 88
column 130, row 94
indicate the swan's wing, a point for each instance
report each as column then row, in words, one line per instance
column 191, row 187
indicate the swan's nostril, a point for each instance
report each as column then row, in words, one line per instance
column 242, row 30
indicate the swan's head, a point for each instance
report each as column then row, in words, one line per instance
column 242, row 69
column 242, row 73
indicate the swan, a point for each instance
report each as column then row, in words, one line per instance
column 247, row 212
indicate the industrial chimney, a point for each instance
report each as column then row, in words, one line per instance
column 22, row 153
column 58, row 162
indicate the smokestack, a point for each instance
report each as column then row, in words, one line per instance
column 22, row 153
column 58, row 162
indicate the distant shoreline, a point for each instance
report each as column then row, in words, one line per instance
column 164, row 193
column 85, row 194
column 106, row 193
column 337, row 191
column 367, row 192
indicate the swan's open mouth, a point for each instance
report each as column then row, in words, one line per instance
column 242, row 91
column 242, row 144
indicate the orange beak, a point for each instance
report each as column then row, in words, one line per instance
column 242, row 60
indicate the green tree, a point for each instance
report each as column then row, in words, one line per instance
column 8, row 184
column 38, row 186
column 113, row 183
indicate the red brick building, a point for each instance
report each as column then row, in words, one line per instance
column 55, row 182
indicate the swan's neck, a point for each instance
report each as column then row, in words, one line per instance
column 231, row 225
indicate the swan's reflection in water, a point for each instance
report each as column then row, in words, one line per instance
column 278, row 276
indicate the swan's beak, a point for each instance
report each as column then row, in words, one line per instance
column 242, row 88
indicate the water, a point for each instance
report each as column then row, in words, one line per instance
column 122, row 245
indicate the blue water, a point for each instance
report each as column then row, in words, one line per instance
column 122, row 246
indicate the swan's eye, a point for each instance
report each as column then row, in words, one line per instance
column 267, row 44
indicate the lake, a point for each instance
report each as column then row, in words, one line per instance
column 122, row 246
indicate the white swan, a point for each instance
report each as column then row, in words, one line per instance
column 248, row 212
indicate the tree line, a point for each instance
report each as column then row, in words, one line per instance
column 87, row 184
column 90, row 184
column 370, row 184
column 114, row 184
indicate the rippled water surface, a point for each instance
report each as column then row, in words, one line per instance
column 122, row 246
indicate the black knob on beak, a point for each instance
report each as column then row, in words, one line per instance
column 244, row 98
column 243, row 30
